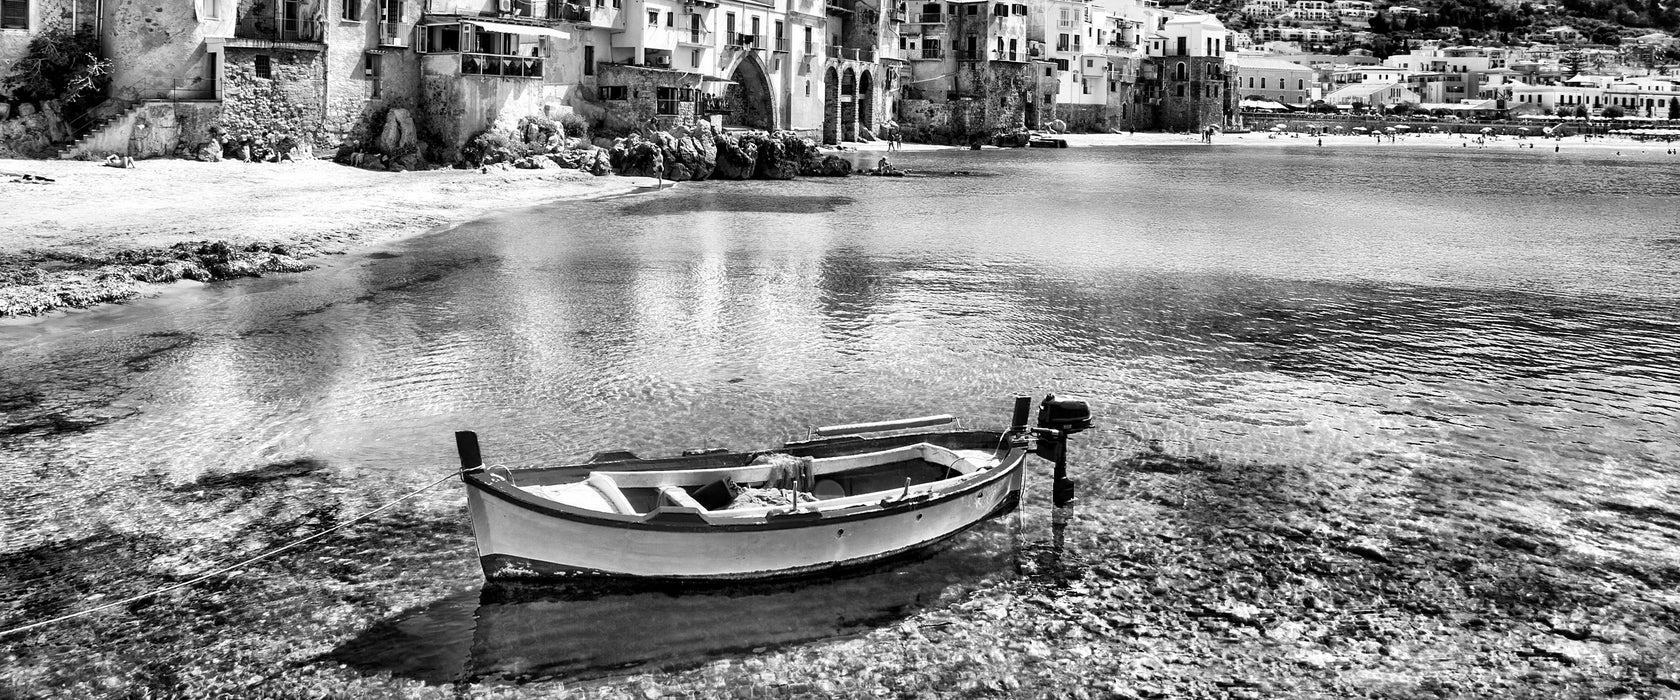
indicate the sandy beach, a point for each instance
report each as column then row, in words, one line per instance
column 95, row 234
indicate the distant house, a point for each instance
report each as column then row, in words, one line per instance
column 1265, row 78
column 1372, row 95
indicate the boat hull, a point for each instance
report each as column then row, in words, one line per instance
column 519, row 541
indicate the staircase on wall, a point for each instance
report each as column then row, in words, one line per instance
column 96, row 131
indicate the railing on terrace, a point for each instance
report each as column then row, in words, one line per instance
column 568, row 12
column 1066, row 23
column 395, row 33
column 839, row 6
column 1008, row 56
column 505, row 66
column 751, row 41
column 276, row 29
column 927, row 18
column 711, row 104
column 970, row 55
column 695, row 36
column 930, row 54
column 841, row 52
column 780, row 44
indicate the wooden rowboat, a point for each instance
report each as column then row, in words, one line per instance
column 847, row 496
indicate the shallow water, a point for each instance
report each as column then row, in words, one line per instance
column 1507, row 315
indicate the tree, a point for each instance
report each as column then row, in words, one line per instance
column 1572, row 62
column 1379, row 24
column 1581, row 111
column 1612, row 112
column 61, row 63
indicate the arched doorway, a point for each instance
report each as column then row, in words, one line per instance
column 750, row 101
column 866, row 101
column 831, row 107
column 848, row 105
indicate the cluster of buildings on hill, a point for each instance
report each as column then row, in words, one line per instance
column 327, row 70
column 1468, row 81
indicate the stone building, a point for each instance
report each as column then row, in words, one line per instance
column 971, row 72
column 1188, row 52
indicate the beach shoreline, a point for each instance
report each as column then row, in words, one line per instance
column 88, row 234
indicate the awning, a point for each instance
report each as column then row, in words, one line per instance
column 714, row 79
column 526, row 30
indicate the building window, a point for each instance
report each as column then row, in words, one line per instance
column 665, row 103
column 1000, row 10
column 615, row 92
column 694, row 58
column 352, row 11
column 653, row 18
column 1183, row 46
column 261, row 65
column 1179, row 73
column 807, row 88
column 588, row 60
column 670, row 19
column 371, row 71
column 1262, row 83
column 1300, row 85
column 973, row 10
column 1180, row 90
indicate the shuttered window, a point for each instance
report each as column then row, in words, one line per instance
column 14, row 14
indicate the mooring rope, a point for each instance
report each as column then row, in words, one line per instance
column 222, row 570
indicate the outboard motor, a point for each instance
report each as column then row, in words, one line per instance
column 1057, row 419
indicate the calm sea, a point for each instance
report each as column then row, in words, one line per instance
column 1498, row 310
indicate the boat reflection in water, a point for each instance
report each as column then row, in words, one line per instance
column 589, row 630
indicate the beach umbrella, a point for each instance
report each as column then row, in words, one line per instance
column 1401, row 127
column 1487, row 129
column 1359, row 128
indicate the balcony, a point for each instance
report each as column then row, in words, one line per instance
column 268, row 32
column 695, row 37
column 971, row 55
column 395, row 34
column 899, row 15
column 928, row 55
column 928, row 18
column 779, row 45
column 568, row 12
column 1015, row 56
column 838, row 7
column 845, row 54
column 747, row 41
column 502, row 66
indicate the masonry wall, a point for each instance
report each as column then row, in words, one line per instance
column 1202, row 102
column 157, row 49
column 290, row 101
column 454, row 107
column 155, row 129
column 356, row 101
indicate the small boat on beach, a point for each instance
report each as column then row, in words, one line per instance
column 847, row 495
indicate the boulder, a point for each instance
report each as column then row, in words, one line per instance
column 737, row 157
column 834, row 166
column 1057, row 126
column 57, row 130
column 778, row 158
column 399, row 135
column 26, row 110
column 600, row 164
column 209, row 151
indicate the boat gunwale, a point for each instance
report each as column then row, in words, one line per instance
column 1013, row 458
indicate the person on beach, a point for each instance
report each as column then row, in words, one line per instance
column 116, row 161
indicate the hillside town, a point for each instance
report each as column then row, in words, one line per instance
column 165, row 78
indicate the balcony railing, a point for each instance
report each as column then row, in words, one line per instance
column 395, row 33
column 751, row 41
column 1015, row 56
column 695, row 36
column 711, row 104
column 839, row 7
column 504, row 66
column 927, row 18
column 780, row 44
column 929, row 54
column 276, row 29
column 810, row 48
column 568, row 12
column 844, row 53
column 971, row 55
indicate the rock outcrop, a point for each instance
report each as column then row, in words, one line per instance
column 398, row 137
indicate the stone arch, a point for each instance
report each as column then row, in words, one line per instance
column 866, row 101
column 831, row 106
column 751, row 101
column 1179, row 73
column 848, row 104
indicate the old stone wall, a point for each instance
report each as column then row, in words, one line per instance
column 1084, row 118
column 290, row 101
column 157, row 51
column 356, row 100
column 1195, row 101
column 640, row 105
column 453, row 107
column 154, row 129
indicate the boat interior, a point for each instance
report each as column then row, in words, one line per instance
column 767, row 483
